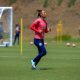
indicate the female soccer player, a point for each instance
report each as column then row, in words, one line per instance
column 39, row 26
column 17, row 34
column 1, row 33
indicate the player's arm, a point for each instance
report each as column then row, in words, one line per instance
column 48, row 29
column 33, row 26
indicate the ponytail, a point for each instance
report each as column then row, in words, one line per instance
column 39, row 13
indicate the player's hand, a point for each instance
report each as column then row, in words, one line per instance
column 40, row 31
column 49, row 29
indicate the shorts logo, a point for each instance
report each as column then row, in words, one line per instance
column 40, row 44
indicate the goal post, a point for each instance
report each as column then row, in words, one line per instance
column 6, row 19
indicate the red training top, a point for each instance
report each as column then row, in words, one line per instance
column 37, row 25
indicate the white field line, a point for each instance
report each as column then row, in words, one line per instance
column 13, row 57
column 27, row 57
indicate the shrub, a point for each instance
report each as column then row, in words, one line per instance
column 59, row 2
column 11, row 2
column 71, row 3
column 65, row 37
column 45, row 3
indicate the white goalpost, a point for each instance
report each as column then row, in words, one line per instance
column 6, row 15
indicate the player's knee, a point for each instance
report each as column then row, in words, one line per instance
column 44, row 52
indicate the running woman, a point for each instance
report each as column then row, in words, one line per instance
column 39, row 26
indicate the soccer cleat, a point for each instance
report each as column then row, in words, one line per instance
column 33, row 64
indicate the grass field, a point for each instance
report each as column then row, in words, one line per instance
column 60, row 63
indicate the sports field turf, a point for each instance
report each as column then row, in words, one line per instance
column 60, row 63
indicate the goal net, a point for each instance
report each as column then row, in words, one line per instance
column 5, row 26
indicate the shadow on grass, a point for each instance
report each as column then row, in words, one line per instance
column 46, row 68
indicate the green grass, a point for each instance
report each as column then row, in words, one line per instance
column 60, row 63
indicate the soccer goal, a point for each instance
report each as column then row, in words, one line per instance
column 6, row 26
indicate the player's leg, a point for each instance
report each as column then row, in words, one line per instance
column 15, row 37
column 41, row 50
column 18, row 38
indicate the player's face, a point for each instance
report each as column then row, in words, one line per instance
column 43, row 14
